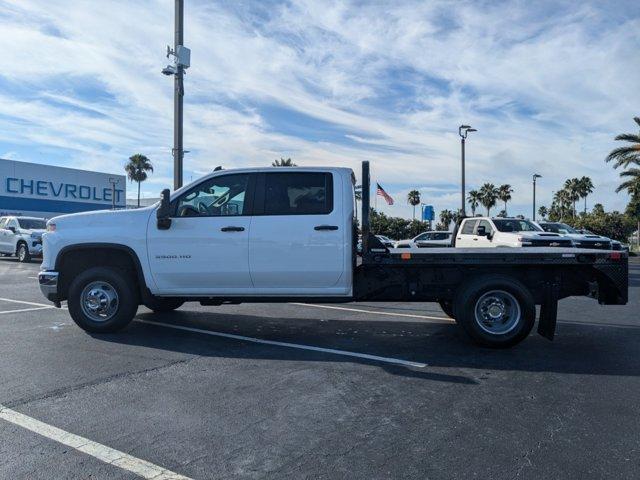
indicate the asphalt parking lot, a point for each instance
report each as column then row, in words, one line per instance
column 296, row 391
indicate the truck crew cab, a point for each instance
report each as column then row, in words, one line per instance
column 288, row 234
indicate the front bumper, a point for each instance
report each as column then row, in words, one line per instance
column 35, row 248
column 49, row 285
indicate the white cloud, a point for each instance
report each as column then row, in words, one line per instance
column 546, row 84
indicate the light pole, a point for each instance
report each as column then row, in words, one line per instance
column 182, row 61
column 535, row 177
column 113, row 181
column 463, row 130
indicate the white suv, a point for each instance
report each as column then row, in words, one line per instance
column 22, row 237
column 485, row 232
column 426, row 240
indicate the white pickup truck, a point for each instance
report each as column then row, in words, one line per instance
column 288, row 234
column 489, row 232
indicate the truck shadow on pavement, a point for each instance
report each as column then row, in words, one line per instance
column 587, row 349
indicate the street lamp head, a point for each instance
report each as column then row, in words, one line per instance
column 471, row 130
column 535, row 175
column 464, row 127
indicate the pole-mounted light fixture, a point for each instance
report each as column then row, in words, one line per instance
column 463, row 131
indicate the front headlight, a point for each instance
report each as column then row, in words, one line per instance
column 35, row 235
column 51, row 227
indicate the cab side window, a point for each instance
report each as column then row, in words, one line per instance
column 3, row 222
column 219, row 196
column 304, row 193
column 12, row 223
column 469, row 227
column 486, row 225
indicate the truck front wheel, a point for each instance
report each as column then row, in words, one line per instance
column 496, row 311
column 102, row 300
column 23, row 253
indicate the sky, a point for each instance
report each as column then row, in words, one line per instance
column 548, row 85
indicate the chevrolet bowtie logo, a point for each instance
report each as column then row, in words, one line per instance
column 554, row 244
column 597, row 244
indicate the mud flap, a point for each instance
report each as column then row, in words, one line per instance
column 549, row 311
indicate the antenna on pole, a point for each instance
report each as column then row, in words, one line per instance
column 181, row 61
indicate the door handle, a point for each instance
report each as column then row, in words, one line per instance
column 325, row 227
column 475, row 239
column 232, row 229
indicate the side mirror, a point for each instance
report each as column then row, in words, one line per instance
column 481, row 231
column 162, row 214
column 13, row 229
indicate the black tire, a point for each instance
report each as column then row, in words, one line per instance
column 22, row 252
column 161, row 305
column 447, row 308
column 107, row 280
column 503, row 293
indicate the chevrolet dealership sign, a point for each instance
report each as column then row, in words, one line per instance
column 46, row 191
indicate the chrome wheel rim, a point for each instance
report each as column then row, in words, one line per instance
column 497, row 312
column 22, row 254
column 99, row 301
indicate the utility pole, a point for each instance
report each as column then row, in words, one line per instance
column 463, row 130
column 178, row 95
column 535, row 177
column 182, row 61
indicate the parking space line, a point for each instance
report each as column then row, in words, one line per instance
column 345, row 353
column 360, row 310
column 103, row 453
column 25, row 302
column 19, row 310
column 35, row 304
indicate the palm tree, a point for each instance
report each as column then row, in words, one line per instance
column 562, row 199
column 283, row 163
column 632, row 185
column 488, row 196
column 413, row 198
column 137, row 169
column 629, row 154
column 572, row 186
column 446, row 217
column 543, row 212
column 504, row 194
column 473, row 199
column 586, row 188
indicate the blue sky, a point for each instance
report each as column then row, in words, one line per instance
column 547, row 84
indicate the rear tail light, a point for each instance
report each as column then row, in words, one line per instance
column 615, row 255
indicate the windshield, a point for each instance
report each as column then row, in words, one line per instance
column 32, row 224
column 515, row 225
column 558, row 228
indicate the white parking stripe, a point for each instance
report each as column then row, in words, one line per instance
column 360, row 310
column 26, row 303
column 50, row 305
column 345, row 353
column 103, row 453
column 25, row 310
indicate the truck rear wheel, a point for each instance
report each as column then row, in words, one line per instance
column 447, row 308
column 496, row 311
column 160, row 305
column 102, row 300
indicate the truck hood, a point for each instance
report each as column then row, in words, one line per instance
column 103, row 218
column 30, row 231
column 538, row 235
column 584, row 236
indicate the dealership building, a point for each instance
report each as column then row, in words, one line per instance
column 32, row 189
